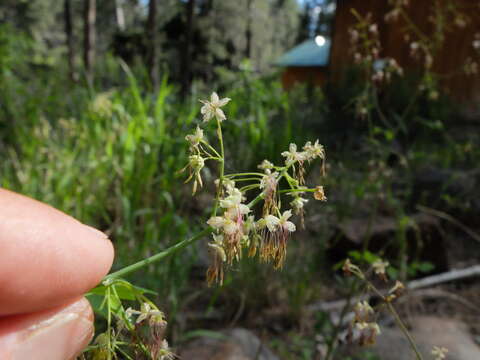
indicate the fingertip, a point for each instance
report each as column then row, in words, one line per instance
column 56, row 334
column 47, row 256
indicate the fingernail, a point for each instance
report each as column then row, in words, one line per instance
column 59, row 337
column 96, row 231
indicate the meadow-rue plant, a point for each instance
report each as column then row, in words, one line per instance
column 236, row 229
column 364, row 326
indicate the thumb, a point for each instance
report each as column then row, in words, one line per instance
column 56, row 334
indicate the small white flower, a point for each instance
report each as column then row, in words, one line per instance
column 368, row 332
column 195, row 138
column 368, row 326
column 271, row 222
column 145, row 312
column 231, row 201
column 362, row 310
column 243, row 209
column 298, row 203
column 292, row 155
column 269, row 180
column 284, row 223
column 265, row 165
column 211, row 109
column 380, row 266
column 476, row 44
column 314, row 151
column 216, row 222
column 440, row 353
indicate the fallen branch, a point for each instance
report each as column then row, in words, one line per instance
column 444, row 277
column 413, row 285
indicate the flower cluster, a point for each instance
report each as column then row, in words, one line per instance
column 157, row 344
column 200, row 149
column 233, row 223
column 310, row 152
column 386, row 69
column 137, row 331
column 232, row 231
column 365, row 40
column 364, row 327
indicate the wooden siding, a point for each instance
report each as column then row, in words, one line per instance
column 458, row 46
column 303, row 74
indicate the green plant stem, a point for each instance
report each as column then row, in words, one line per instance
column 296, row 190
column 405, row 331
column 222, row 167
column 157, row 257
column 245, row 174
column 398, row 321
column 211, row 148
column 256, row 200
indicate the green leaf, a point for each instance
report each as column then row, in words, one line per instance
column 124, row 289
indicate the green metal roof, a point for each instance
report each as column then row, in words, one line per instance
column 308, row 53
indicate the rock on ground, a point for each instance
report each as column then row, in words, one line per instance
column 428, row 331
column 239, row 344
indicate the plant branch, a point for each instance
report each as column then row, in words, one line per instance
column 157, row 257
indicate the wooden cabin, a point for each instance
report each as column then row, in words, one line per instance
column 306, row 63
column 449, row 62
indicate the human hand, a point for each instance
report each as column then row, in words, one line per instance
column 48, row 260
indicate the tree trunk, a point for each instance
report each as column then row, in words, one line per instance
column 120, row 15
column 186, row 56
column 69, row 40
column 89, row 38
column 151, row 32
column 248, row 31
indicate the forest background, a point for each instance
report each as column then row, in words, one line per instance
column 96, row 98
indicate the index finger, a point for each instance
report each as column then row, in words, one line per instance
column 46, row 256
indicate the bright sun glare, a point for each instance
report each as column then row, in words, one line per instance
column 319, row 40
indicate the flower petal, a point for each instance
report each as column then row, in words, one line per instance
column 216, row 222
column 220, row 114
column 289, row 226
column 214, row 98
column 224, row 101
